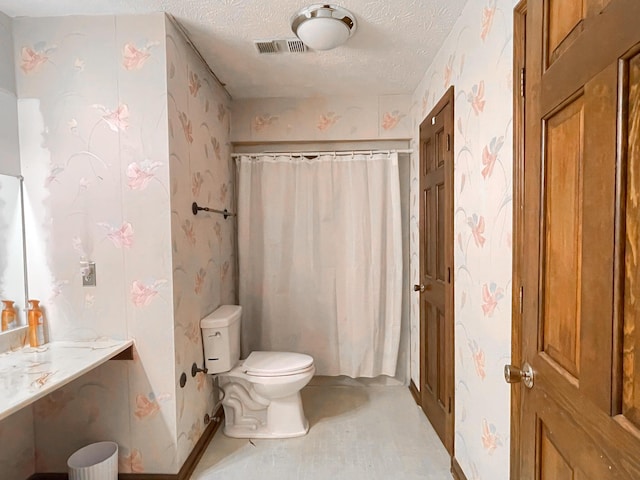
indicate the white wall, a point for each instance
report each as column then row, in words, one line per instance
column 9, row 151
column 477, row 60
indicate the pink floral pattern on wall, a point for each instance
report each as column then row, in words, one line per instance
column 187, row 129
column 476, row 97
column 390, row 120
column 140, row 174
column 482, row 227
column 146, row 407
column 32, row 57
column 121, row 237
column 487, row 19
column 262, row 122
column 142, row 294
column 134, row 58
column 118, row 119
column 194, row 83
column 491, row 295
column 490, row 155
column 196, row 183
column 327, row 120
column 490, row 439
column 477, row 354
column 131, row 463
column 477, row 229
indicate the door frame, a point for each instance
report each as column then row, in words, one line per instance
column 447, row 99
column 519, row 83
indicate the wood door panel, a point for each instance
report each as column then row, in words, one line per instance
column 432, row 348
column 589, row 54
column 562, row 229
column 443, row 394
column 564, row 22
column 631, row 356
column 441, row 150
column 440, row 231
column 553, row 465
column 427, row 256
column 428, row 152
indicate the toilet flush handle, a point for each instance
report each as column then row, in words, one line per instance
column 217, row 334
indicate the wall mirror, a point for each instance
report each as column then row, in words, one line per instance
column 13, row 275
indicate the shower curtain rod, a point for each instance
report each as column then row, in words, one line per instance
column 300, row 154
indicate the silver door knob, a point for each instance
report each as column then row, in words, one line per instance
column 421, row 288
column 513, row 374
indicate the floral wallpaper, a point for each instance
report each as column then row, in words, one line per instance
column 203, row 246
column 17, row 459
column 477, row 60
column 89, row 126
column 122, row 127
column 317, row 119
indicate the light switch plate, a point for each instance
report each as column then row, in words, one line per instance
column 89, row 274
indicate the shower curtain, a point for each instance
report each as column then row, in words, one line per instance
column 320, row 255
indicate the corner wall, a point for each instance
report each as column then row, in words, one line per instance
column 94, row 146
column 203, row 246
column 477, row 59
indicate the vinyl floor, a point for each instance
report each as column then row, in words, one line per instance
column 357, row 432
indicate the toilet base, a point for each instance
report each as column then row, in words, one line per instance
column 235, row 431
column 284, row 419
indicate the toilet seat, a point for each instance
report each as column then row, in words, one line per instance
column 276, row 364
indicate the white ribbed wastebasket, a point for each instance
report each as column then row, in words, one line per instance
column 98, row 461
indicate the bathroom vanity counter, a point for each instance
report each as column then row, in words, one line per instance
column 31, row 373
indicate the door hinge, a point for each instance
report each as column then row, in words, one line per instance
column 449, row 405
column 521, row 295
column 448, row 142
column 448, row 274
column 522, row 81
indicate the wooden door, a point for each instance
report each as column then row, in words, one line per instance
column 436, row 252
column 581, row 242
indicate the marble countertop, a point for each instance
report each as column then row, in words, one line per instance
column 31, row 373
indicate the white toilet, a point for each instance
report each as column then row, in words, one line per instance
column 262, row 393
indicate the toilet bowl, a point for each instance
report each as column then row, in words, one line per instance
column 261, row 394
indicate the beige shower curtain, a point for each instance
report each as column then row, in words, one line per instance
column 320, row 255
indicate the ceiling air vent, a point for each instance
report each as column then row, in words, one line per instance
column 296, row 46
column 266, row 46
column 288, row 45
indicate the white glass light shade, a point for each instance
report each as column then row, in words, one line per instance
column 323, row 33
column 323, row 26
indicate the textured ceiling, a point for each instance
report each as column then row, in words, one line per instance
column 394, row 43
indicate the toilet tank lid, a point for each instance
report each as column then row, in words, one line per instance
column 223, row 316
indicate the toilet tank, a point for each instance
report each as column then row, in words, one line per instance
column 221, row 338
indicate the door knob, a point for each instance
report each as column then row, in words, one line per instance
column 513, row 374
column 421, row 288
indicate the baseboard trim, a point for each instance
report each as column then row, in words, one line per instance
column 456, row 471
column 185, row 472
column 194, row 457
column 415, row 393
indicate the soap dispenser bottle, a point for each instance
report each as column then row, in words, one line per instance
column 36, row 327
column 8, row 315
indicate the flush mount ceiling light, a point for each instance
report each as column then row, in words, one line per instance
column 322, row 26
